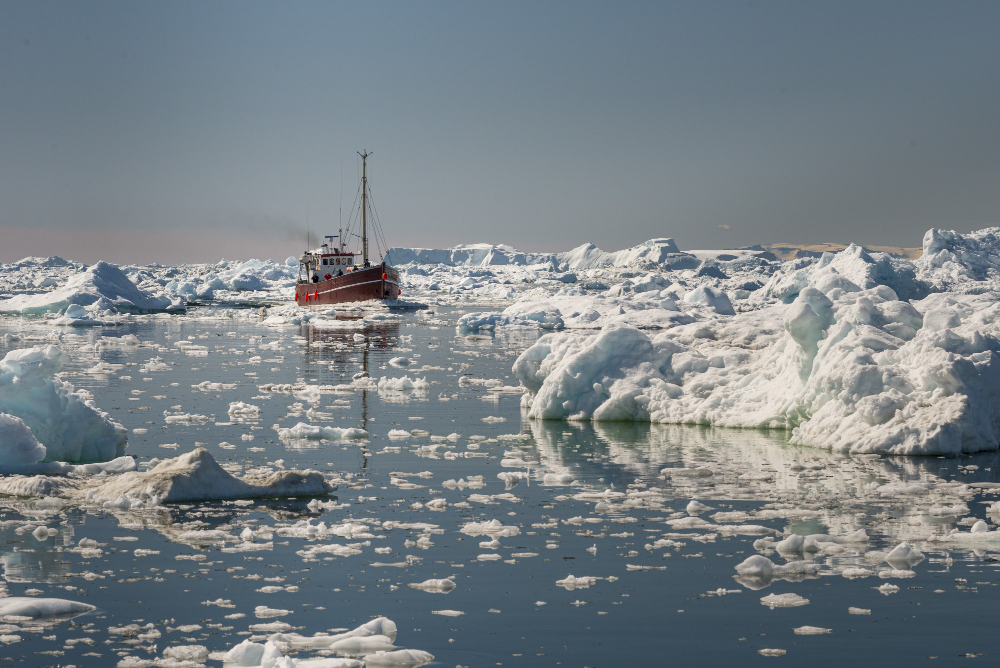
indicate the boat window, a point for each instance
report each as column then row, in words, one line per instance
column 324, row 261
column 350, row 260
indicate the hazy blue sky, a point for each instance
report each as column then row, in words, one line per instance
column 172, row 131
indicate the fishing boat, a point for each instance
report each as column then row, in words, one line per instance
column 332, row 274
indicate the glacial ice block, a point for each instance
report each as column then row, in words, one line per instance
column 70, row 427
column 858, row 372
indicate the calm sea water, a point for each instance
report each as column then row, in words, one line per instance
column 678, row 602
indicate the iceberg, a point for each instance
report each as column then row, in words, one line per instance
column 102, row 285
column 858, row 372
column 46, row 419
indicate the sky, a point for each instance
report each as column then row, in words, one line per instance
column 183, row 131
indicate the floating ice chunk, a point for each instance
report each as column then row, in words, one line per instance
column 40, row 608
column 66, row 422
column 403, row 384
column 398, row 434
column 442, row 586
column 240, row 409
column 904, row 553
column 811, row 631
column 400, row 362
column 859, row 611
column 186, row 654
column 694, row 507
column 448, row 613
column 360, row 645
column 400, row 657
column 196, row 476
column 783, row 601
column 558, row 478
column 760, row 566
column 571, row 582
column 489, row 528
column 185, row 418
column 318, row 433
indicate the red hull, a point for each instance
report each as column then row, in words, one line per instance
column 359, row 285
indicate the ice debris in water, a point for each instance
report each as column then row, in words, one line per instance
column 372, row 641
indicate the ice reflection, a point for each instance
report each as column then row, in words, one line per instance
column 813, row 490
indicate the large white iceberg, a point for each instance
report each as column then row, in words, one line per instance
column 853, row 371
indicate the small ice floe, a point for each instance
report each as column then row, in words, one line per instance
column 41, row 608
column 859, row 611
column 196, row 476
column 403, row 384
column 758, row 571
column 512, row 478
column 811, row 631
column 783, row 601
column 772, row 652
column 398, row 434
column 209, row 386
column 442, row 586
column 855, row 572
column 903, row 556
column 813, row 543
column 401, row 657
column 558, row 478
column 184, row 418
column 887, row 589
column 76, row 316
column 695, row 507
column 244, row 410
column 304, row 431
column 489, row 528
column 571, row 582
column 978, row 535
column 448, row 613
column 400, row 362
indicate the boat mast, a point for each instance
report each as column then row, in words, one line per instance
column 364, row 208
